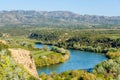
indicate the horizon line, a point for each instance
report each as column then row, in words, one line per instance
column 61, row 11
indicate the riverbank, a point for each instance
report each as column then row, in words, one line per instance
column 106, row 70
column 78, row 60
column 69, row 75
column 45, row 57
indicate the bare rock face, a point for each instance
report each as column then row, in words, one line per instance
column 5, row 35
column 2, row 41
column 25, row 58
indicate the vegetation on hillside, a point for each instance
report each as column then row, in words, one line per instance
column 9, row 69
column 69, row 75
column 109, row 69
column 113, row 54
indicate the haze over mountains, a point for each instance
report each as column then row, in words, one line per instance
column 21, row 17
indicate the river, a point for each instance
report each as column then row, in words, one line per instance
column 78, row 60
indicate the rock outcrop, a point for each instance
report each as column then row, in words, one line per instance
column 25, row 58
column 2, row 41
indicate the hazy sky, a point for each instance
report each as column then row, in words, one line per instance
column 92, row 7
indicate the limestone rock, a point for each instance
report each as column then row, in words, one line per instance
column 25, row 58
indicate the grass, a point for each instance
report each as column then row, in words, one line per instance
column 41, row 52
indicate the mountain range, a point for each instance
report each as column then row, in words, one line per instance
column 22, row 17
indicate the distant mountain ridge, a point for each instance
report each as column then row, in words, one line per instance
column 54, row 18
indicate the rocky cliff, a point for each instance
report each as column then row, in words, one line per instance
column 24, row 58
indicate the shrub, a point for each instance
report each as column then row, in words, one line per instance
column 109, row 68
column 113, row 54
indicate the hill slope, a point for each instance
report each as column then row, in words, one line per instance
column 22, row 17
column 10, row 69
column 24, row 58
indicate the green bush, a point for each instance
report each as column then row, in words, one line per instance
column 113, row 54
column 109, row 68
column 69, row 75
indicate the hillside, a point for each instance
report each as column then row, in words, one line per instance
column 10, row 69
column 58, row 18
column 24, row 58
